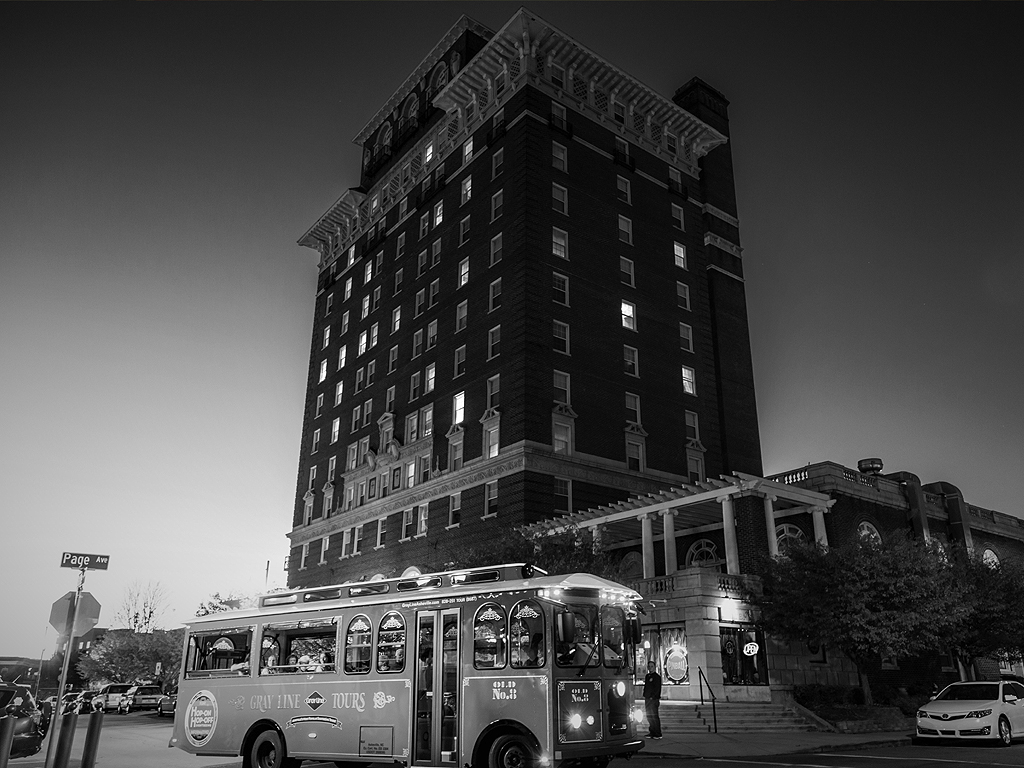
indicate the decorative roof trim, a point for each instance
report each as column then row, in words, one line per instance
column 453, row 34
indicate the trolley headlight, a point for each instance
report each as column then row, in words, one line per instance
column 590, row 719
column 576, row 721
column 620, row 688
column 638, row 715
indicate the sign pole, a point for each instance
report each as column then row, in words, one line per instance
column 71, row 635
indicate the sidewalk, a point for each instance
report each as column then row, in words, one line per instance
column 755, row 744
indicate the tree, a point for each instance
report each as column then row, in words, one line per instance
column 229, row 601
column 868, row 599
column 124, row 656
column 141, row 607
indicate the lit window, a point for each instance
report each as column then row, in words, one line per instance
column 631, row 360
column 467, row 150
column 327, row 337
column 632, row 408
column 364, row 337
column 677, row 217
column 439, row 213
column 335, row 430
column 683, row 295
column 559, row 157
column 496, row 244
column 685, row 337
column 342, row 356
column 561, row 384
column 626, row 271
column 367, row 272
column 497, row 203
column 625, row 230
column 463, row 272
column 560, row 288
column 680, row 254
column 421, row 521
column 323, row 370
column 461, row 316
column 628, row 310
column 316, row 441
column 458, row 408
column 494, row 295
column 491, row 438
column 460, row 361
column 427, row 420
column 559, row 198
column 689, row 380
column 560, row 243
column 561, row 437
column 339, row 392
column 494, row 342
column 428, row 154
column 561, row 337
column 396, row 319
column 467, row 189
column 622, row 189
column 365, row 307
column 348, row 289
column 429, row 376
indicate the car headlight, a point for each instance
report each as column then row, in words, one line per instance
column 980, row 713
column 922, row 713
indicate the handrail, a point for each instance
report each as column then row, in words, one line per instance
column 701, row 679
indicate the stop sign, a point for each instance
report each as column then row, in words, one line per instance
column 88, row 614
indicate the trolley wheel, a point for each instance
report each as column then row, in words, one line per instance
column 267, row 751
column 510, row 751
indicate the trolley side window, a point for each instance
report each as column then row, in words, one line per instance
column 391, row 643
column 613, row 636
column 527, row 635
column 358, row 646
column 219, row 652
column 489, row 636
column 299, row 646
column 578, row 646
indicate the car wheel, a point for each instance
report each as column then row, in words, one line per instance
column 268, row 752
column 510, row 751
column 1005, row 734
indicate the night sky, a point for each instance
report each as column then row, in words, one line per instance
column 159, row 161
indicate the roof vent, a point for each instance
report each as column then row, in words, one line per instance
column 870, row 466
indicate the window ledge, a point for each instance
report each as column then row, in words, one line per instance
column 379, row 546
column 451, row 527
column 420, row 535
column 488, row 517
column 403, row 540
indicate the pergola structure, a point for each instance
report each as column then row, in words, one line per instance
column 692, row 509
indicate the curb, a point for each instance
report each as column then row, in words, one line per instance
column 901, row 741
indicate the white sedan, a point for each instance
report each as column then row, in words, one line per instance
column 974, row 711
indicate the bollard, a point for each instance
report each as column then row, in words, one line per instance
column 6, row 738
column 65, row 738
column 92, row 739
column 52, row 730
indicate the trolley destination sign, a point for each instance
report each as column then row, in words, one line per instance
column 84, row 562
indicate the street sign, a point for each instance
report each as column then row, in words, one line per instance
column 88, row 614
column 89, row 562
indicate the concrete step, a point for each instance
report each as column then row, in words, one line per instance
column 694, row 718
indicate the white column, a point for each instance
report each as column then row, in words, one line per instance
column 732, row 552
column 647, row 535
column 668, row 521
column 818, row 517
column 769, row 521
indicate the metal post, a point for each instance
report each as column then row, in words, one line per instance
column 71, row 635
column 92, row 739
column 6, row 738
column 65, row 738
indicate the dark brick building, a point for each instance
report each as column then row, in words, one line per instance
column 531, row 304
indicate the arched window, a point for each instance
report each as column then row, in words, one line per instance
column 631, row 566
column 440, row 77
column 868, row 533
column 384, row 138
column 391, row 643
column 990, row 558
column 703, row 553
column 358, row 642
column 787, row 534
column 526, row 635
column 489, row 635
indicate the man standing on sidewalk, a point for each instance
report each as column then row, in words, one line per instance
column 652, row 700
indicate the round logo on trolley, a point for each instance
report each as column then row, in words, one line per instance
column 200, row 718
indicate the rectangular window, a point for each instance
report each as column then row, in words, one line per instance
column 458, row 407
column 454, row 508
column 563, row 494
column 628, row 315
column 412, row 427
column 410, row 474
column 398, row 281
column 350, row 462
column 493, row 391
column 332, row 465
column 631, row 360
column 428, row 154
column 560, row 288
column 689, row 380
column 491, row 498
column 685, row 337
column 559, row 116
column 463, row 272
column 348, row 289
column 389, row 399
column 692, row 426
column 356, row 414
column 496, row 249
column 557, row 76
column 393, row 359
column 619, row 113
column 561, row 437
column 374, row 333
column 461, row 316
column 427, row 421
column 421, row 263
column 400, row 248
column 339, row 392
column 497, row 161
column 319, row 406
column 428, row 378
column 464, row 231
column 683, row 295
column 335, row 430
column 323, row 370
column 621, row 147
column 560, row 243
column 679, row 251
column 417, row 343
column 467, row 189
column 329, row 304
column 421, row 520
column 415, row 385
column 491, row 442
column 424, row 224
column 467, row 150
column 403, row 204
column 626, row 271
column 432, row 334
column 632, row 408
column 359, row 379
column 455, row 455
column 327, row 337
column 409, row 523
column 494, row 295
column 344, row 322
column 316, row 441
column 497, row 203
column 367, row 412
column 433, row 291
column 364, row 338
column 559, row 199
column 677, row 217
column 561, row 337
column 559, row 157
column 625, row 230
column 367, row 272
column 670, row 145
column 421, row 302
column 365, row 308
column 494, row 342
column 622, row 190
column 460, row 361
column 435, row 253
column 396, row 319
column 634, row 456
column 561, row 382
column 382, row 531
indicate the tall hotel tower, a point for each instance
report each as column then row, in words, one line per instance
column 533, row 303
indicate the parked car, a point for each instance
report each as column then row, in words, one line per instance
column 111, row 695
column 167, row 704
column 71, row 702
column 139, row 697
column 29, row 728
column 974, row 710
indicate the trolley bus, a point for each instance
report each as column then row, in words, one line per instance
column 496, row 667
